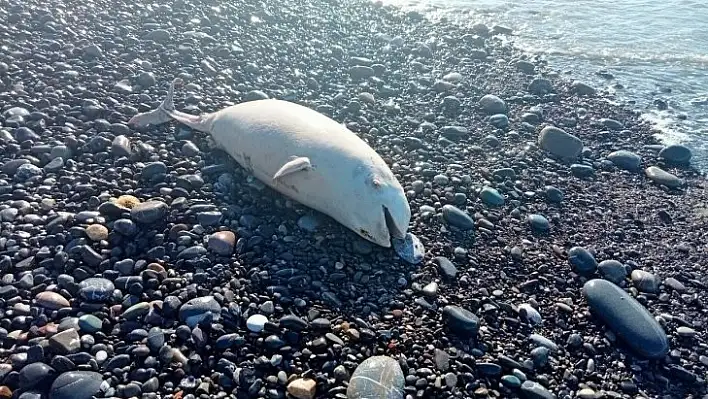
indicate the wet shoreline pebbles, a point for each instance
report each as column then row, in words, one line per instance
column 563, row 245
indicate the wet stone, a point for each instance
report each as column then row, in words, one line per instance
column 559, row 143
column 222, row 243
column 149, row 212
column 491, row 197
column 625, row 160
column 35, row 374
column 676, row 153
column 612, row 270
column 534, row 390
column 447, row 268
column 377, row 377
column 645, row 281
column 410, row 249
column 662, row 177
column 76, row 385
column 461, row 321
column 582, row 261
column 197, row 309
column 51, row 300
column 458, row 218
column 96, row 289
column 89, row 323
column 627, row 318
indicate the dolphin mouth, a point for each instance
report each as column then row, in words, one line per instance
column 394, row 230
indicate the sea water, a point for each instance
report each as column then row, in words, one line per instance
column 645, row 53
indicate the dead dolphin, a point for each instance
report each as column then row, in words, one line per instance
column 308, row 157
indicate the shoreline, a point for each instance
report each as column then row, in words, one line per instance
column 158, row 299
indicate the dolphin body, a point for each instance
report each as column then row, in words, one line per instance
column 310, row 158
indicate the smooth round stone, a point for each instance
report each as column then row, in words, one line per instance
column 461, row 321
column 533, row 390
column 35, row 374
column 96, row 289
column 530, row 314
column 125, row 227
column 27, row 171
column 686, row 332
column 543, row 341
column 293, row 322
column 612, row 270
column 625, row 160
column 378, row 377
column 447, row 268
column 51, row 300
column 136, row 311
column 441, row 180
column 511, row 381
column 553, row 194
column 645, row 281
column 539, row 222
column 580, row 170
column 456, row 217
column 308, row 223
column 97, row 232
column 559, row 143
column 612, row 124
column 627, row 318
column 149, row 212
column 491, row 196
column 197, row 309
column 256, row 323
column 489, row 369
column 662, row 177
column 89, row 323
column 499, row 120
column 676, row 153
column 410, row 249
column 76, row 385
column 582, row 261
column 492, row 104
column 222, row 243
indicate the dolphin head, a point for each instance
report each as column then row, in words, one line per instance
column 382, row 211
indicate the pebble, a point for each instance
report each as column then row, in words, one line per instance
column 539, row 222
column 96, row 289
column 377, row 377
column 530, row 314
column 612, row 270
column 97, row 232
column 534, row 390
column 627, row 318
column 676, row 154
column 256, row 323
column 90, row 324
column 461, row 321
column 35, row 374
column 222, row 243
column 51, row 300
column 645, row 281
column 65, row 342
column 409, row 249
column 492, row 104
column 560, row 143
column 491, row 197
column 195, row 310
column 456, row 217
column 149, row 212
column 302, row 388
column 447, row 268
column 625, row 160
column 76, row 385
column 660, row 176
column 582, row 261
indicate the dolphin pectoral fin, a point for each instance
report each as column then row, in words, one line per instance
column 297, row 164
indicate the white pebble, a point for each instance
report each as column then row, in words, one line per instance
column 256, row 323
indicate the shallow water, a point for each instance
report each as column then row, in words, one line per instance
column 655, row 49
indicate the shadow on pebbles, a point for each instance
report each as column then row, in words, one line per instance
column 565, row 246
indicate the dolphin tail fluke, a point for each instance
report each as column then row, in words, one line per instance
column 166, row 112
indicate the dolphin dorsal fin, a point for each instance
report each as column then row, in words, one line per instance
column 296, row 164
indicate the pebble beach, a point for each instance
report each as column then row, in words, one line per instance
column 565, row 247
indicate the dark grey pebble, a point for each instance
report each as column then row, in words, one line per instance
column 582, row 261
column 612, row 270
column 35, row 374
column 96, row 289
column 492, row 104
column 553, row 194
column 534, row 390
column 195, row 310
column 457, row 217
column 76, row 385
column 461, row 321
column 446, row 266
column 582, row 88
column 627, row 318
column 676, row 153
column 582, row 170
column 149, row 212
column 625, row 160
column 645, row 281
column 539, row 222
column 293, row 322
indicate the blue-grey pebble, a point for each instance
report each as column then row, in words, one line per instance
column 627, row 318
column 582, row 261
